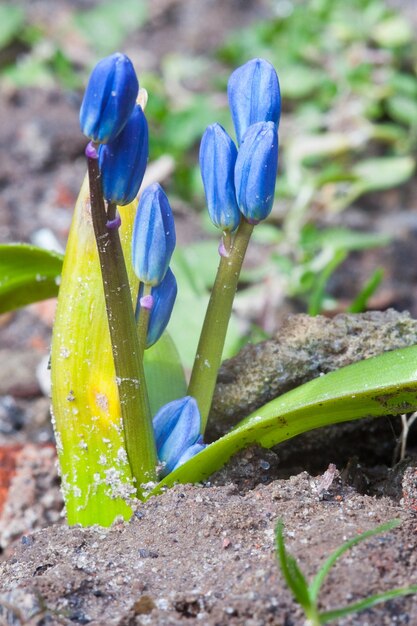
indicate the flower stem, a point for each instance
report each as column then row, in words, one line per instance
column 130, row 378
column 210, row 347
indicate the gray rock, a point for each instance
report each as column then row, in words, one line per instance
column 305, row 348
column 18, row 373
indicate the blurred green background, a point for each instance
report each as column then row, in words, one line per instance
column 348, row 76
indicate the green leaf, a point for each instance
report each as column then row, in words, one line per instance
column 344, row 239
column 383, row 385
column 403, row 109
column 393, row 32
column 360, row 302
column 300, row 81
column 107, row 24
column 27, row 274
column 331, row 560
column 193, row 296
column 383, row 173
column 315, row 301
column 367, row 603
column 294, row 577
column 11, row 23
column 164, row 374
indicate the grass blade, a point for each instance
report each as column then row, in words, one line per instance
column 331, row 560
column 367, row 603
column 294, row 577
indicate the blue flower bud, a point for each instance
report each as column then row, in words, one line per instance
column 123, row 160
column 256, row 171
column 163, row 296
column 254, row 95
column 177, row 429
column 153, row 239
column 190, row 452
column 217, row 163
column 109, row 98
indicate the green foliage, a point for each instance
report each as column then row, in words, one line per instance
column 11, row 22
column 27, row 274
column 349, row 87
column 107, row 25
column 307, row 594
column 383, row 385
column 305, row 270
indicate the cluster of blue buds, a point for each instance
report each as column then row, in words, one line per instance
column 177, row 433
column 111, row 117
column 242, row 182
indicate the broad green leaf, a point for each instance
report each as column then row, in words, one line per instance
column 316, row 584
column 165, row 378
column 193, row 296
column 27, row 274
column 383, row 385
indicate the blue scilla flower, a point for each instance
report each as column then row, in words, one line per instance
column 217, row 163
column 163, row 296
column 256, row 171
column 109, row 98
column 153, row 240
column 254, row 95
column 123, row 160
column 177, row 432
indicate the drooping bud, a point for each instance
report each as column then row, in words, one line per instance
column 217, row 163
column 177, row 430
column 254, row 95
column 163, row 296
column 123, row 160
column 109, row 98
column 190, row 452
column 256, row 171
column 153, row 240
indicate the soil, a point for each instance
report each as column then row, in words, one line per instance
column 199, row 554
column 206, row 555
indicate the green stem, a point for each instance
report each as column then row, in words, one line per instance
column 313, row 617
column 213, row 334
column 130, row 378
column 143, row 321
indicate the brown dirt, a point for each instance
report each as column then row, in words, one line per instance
column 206, row 555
